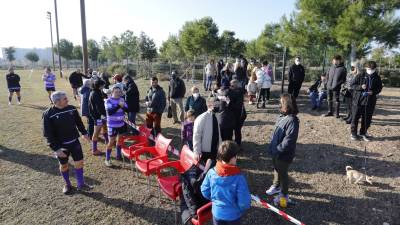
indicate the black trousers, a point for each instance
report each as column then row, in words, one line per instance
column 294, row 89
column 226, row 134
column 349, row 105
column 263, row 95
column 365, row 113
column 334, row 95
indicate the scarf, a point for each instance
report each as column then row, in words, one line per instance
column 225, row 170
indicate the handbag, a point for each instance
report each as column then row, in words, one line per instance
column 169, row 113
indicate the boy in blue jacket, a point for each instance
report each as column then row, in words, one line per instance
column 226, row 187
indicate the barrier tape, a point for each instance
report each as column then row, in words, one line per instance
column 253, row 197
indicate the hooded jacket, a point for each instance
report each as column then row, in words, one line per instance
column 228, row 191
column 296, row 74
column 96, row 104
column 132, row 97
column 374, row 84
column 176, row 88
column 336, row 76
column 284, row 138
column 156, row 96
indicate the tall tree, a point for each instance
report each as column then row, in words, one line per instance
column 93, row 50
column 229, row 45
column 171, row 50
column 66, row 48
column 77, row 52
column 147, row 47
column 10, row 53
column 199, row 37
column 32, row 57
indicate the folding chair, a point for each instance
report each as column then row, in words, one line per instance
column 204, row 214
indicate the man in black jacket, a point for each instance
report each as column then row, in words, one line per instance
column 176, row 92
column 13, row 85
column 366, row 87
column 97, row 112
column 131, row 99
column 61, row 123
column 336, row 76
column 296, row 77
column 75, row 79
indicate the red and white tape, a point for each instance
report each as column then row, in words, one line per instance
column 253, row 197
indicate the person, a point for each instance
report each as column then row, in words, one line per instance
column 317, row 92
column 187, row 129
column 176, row 93
column 75, row 79
column 252, row 89
column 220, row 66
column 191, row 198
column 132, row 97
column 241, row 72
column 105, row 77
column 347, row 92
column 226, row 187
column 206, row 134
column 155, row 102
column 264, row 82
column 117, row 78
column 49, row 79
column 236, row 99
column 226, row 74
column 195, row 102
column 250, row 67
column 84, row 92
column 366, row 87
column 336, row 76
column 97, row 112
column 283, row 146
column 13, row 85
column 115, row 107
column 211, row 73
column 296, row 77
column 61, row 123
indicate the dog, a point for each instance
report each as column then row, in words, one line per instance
column 357, row 176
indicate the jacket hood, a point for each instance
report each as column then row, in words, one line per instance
column 224, row 170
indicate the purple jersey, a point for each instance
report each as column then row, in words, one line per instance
column 49, row 79
column 115, row 114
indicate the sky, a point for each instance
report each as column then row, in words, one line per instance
column 24, row 23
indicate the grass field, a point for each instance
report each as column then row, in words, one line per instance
column 30, row 184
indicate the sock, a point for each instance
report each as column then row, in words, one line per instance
column 118, row 151
column 19, row 99
column 108, row 154
column 105, row 136
column 9, row 99
column 94, row 146
column 65, row 175
column 79, row 177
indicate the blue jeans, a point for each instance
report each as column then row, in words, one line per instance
column 209, row 82
column 317, row 98
column 132, row 119
column 224, row 222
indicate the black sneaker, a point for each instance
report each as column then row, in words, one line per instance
column 355, row 137
column 67, row 190
column 348, row 121
column 314, row 108
column 328, row 114
column 85, row 188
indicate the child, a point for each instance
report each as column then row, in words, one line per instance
column 317, row 92
column 226, row 187
column 187, row 129
column 283, row 147
column 252, row 88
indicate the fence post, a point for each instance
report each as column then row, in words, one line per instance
column 283, row 69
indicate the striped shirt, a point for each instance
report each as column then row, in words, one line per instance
column 115, row 114
column 49, row 79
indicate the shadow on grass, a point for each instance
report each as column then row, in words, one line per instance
column 37, row 162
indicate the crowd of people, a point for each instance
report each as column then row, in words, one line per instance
column 211, row 124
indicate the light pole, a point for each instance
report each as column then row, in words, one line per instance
column 51, row 35
column 58, row 38
column 84, row 39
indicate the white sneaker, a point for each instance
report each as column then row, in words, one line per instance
column 365, row 138
column 9, row 103
column 273, row 190
column 19, row 103
column 108, row 163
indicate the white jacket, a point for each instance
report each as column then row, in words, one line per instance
column 203, row 131
column 263, row 79
column 252, row 87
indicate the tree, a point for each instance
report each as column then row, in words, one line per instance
column 66, row 47
column 171, row 50
column 229, row 45
column 10, row 53
column 93, row 50
column 32, row 57
column 251, row 49
column 127, row 45
column 147, row 47
column 77, row 52
column 199, row 37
